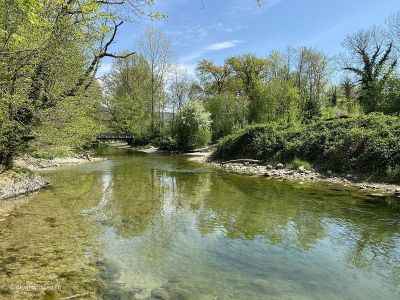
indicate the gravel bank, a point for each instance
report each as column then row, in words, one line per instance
column 37, row 164
column 302, row 175
column 13, row 184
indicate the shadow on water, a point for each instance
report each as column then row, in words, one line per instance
column 143, row 226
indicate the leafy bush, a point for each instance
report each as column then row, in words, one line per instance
column 393, row 173
column 192, row 128
column 166, row 142
column 297, row 163
column 368, row 144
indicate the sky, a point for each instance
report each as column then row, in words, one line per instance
column 224, row 28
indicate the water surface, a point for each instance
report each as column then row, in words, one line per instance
column 138, row 223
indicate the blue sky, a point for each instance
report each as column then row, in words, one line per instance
column 225, row 28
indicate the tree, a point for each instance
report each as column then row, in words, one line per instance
column 393, row 23
column 311, row 80
column 50, row 51
column 179, row 88
column 213, row 78
column 156, row 49
column 248, row 68
column 370, row 59
column 127, row 87
column 192, row 127
column 228, row 112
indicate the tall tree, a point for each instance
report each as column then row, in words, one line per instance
column 213, row 78
column 369, row 58
column 311, row 79
column 127, row 87
column 179, row 88
column 51, row 50
column 249, row 68
column 156, row 49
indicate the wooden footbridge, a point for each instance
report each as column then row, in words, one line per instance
column 115, row 137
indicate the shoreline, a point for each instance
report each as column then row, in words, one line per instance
column 263, row 169
column 301, row 175
column 15, row 184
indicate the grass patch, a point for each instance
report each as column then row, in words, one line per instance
column 297, row 163
column 50, row 154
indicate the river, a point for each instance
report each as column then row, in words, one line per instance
column 141, row 224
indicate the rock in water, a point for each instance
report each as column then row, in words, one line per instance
column 279, row 166
column 159, row 294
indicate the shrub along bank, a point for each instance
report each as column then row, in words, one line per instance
column 367, row 145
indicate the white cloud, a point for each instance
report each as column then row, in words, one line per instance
column 223, row 45
column 213, row 47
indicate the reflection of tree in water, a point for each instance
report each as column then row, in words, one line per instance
column 302, row 216
column 245, row 211
column 149, row 204
column 371, row 240
column 135, row 199
column 152, row 204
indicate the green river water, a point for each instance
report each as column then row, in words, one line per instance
column 141, row 224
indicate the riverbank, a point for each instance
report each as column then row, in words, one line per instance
column 13, row 183
column 40, row 164
column 303, row 175
column 24, row 179
column 279, row 171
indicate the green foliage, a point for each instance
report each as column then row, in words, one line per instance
column 393, row 173
column 391, row 100
column 367, row 144
column 128, row 86
column 167, row 142
column 297, row 163
column 192, row 129
column 370, row 58
column 56, row 153
column 228, row 113
column 12, row 132
column 71, row 123
column 278, row 100
column 51, row 50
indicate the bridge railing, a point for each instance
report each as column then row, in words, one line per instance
column 115, row 136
